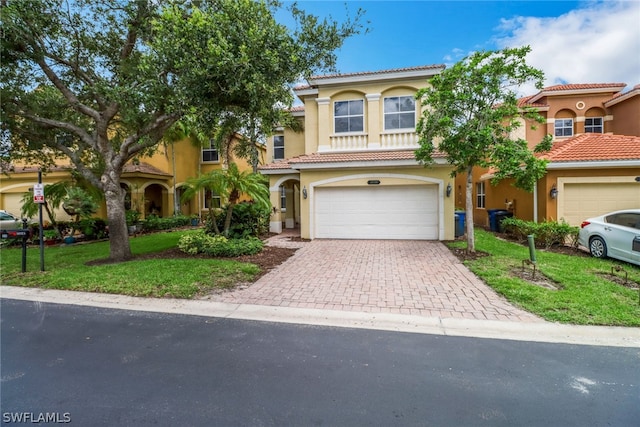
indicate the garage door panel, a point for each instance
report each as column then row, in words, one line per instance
column 400, row 212
column 586, row 200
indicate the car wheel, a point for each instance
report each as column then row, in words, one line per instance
column 598, row 247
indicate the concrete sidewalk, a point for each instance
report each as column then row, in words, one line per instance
column 508, row 330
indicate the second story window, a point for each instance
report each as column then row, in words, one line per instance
column 278, row 147
column 349, row 116
column 563, row 127
column 209, row 152
column 593, row 125
column 399, row 113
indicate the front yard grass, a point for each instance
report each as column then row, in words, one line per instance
column 584, row 295
column 65, row 268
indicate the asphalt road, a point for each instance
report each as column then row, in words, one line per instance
column 93, row 367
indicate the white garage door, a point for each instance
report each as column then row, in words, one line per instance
column 586, row 200
column 390, row 212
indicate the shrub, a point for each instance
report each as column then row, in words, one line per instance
column 154, row 222
column 546, row 234
column 247, row 219
column 220, row 246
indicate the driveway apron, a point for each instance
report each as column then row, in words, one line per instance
column 413, row 277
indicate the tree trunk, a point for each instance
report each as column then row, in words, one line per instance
column 471, row 241
column 227, row 220
column 119, row 247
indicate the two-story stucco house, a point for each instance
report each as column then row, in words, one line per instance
column 154, row 184
column 594, row 165
column 352, row 173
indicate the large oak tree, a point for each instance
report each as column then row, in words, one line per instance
column 99, row 82
column 471, row 113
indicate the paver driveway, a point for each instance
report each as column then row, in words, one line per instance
column 393, row 276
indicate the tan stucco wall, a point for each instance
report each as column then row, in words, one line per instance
column 627, row 117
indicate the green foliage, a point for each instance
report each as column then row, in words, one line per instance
column 132, row 216
column 248, row 219
column 219, row 246
column 546, row 234
column 230, row 184
column 154, row 222
column 79, row 203
column 471, row 111
column 75, row 74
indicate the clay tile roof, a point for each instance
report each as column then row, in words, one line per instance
column 595, row 147
column 297, row 108
column 143, row 168
column 583, row 86
column 368, row 73
column 525, row 102
column 366, row 156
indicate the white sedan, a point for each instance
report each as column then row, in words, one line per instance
column 614, row 235
column 9, row 221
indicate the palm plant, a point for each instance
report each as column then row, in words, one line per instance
column 230, row 184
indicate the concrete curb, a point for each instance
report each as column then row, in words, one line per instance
column 535, row 331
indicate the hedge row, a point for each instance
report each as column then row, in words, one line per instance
column 546, row 234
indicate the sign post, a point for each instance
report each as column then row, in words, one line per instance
column 38, row 197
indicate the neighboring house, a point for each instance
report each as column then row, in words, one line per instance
column 594, row 165
column 154, row 184
column 352, row 173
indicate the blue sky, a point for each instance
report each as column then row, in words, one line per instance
column 572, row 41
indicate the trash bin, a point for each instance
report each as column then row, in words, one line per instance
column 493, row 225
column 500, row 215
column 460, row 221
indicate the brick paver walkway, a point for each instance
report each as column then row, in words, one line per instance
column 386, row 276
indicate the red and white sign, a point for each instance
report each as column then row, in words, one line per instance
column 38, row 193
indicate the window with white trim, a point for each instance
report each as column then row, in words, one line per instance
column 399, row 112
column 348, row 116
column 278, row 147
column 283, row 199
column 563, row 127
column 480, row 195
column 210, row 152
column 593, row 125
column 211, row 199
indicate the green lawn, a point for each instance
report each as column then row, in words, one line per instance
column 584, row 296
column 65, row 268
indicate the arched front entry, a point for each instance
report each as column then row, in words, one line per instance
column 155, row 201
column 285, row 201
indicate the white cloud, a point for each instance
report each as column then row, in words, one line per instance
column 597, row 43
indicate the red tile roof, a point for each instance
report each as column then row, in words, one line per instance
column 584, row 86
column 143, row 168
column 595, row 147
column 368, row 73
column 365, row 156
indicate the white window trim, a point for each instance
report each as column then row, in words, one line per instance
column 274, row 148
column 357, row 132
column 601, row 125
column 283, row 198
column 563, row 127
column 205, row 200
column 481, row 194
column 209, row 147
column 384, row 114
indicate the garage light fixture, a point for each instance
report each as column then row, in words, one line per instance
column 449, row 190
column 304, row 192
column 554, row 192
